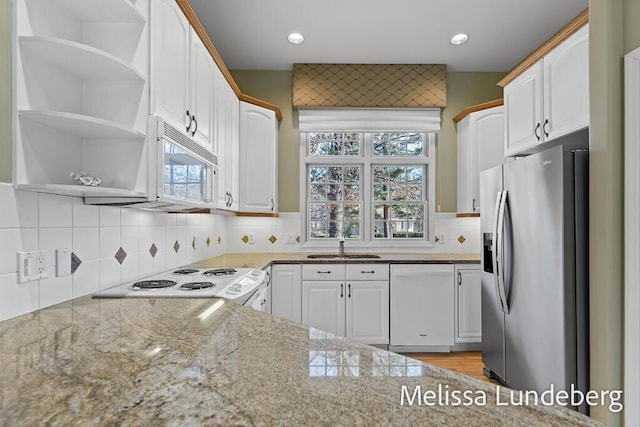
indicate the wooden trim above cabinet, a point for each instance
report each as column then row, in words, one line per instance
column 261, row 103
column 568, row 30
column 199, row 29
column 478, row 107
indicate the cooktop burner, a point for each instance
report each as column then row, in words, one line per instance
column 153, row 284
column 191, row 286
column 220, row 272
column 186, row 271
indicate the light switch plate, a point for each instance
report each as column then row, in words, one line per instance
column 32, row 265
column 63, row 262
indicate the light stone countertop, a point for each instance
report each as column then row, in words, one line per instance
column 261, row 260
column 179, row 362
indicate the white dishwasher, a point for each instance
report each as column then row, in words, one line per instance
column 422, row 305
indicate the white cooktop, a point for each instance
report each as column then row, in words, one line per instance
column 186, row 282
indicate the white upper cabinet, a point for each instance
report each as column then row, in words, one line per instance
column 258, row 159
column 182, row 81
column 232, row 154
column 170, row 41
column 566, row 86
column 81, row 95
column 202, row 91
column 550, row 99
column 480, row 147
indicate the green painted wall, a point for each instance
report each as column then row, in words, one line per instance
column 463, row 90
column 5, row 90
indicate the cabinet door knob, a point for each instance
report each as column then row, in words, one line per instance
column 535, row 131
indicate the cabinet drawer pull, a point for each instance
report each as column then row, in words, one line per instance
column 349, row 290
column 459, row 279
column 424, row 335
column 367, row 272
column 324, row 272
column 341, row 290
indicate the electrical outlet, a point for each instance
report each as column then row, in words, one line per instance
column 32, row 265
column 291, row 238
column 441, row 238
column 63, row 262
column 252, row 239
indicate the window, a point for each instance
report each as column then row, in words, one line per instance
column 371, row 187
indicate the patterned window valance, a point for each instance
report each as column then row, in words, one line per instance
column 370, row 85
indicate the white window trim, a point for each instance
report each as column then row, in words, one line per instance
column 368, row 242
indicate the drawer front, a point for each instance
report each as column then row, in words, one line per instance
column 323, row 272
column 367, row 271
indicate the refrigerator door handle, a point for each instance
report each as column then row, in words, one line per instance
column 494, row 248
column 500, row 255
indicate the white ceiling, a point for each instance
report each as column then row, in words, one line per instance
column 252, row 34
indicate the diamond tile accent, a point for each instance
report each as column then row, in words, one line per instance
column 437, row 239
column 208, row 241
column 461, row 239
column 298, row 239
column 176, row 246
column 219, row 240
column 153, row 250
column 121, row 255
column 273, row 239
column 75, row 262
column 245, row 239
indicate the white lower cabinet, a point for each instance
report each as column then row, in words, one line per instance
column 351, row 300
column 468, row 304
column 286, row 297
column 422, row 305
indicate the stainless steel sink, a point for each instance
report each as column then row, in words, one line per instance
column 345, row 256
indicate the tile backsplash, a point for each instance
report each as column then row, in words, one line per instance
column 255, row 234
column 110, row 245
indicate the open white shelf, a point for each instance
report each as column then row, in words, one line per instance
column 102, row 10
column 80, row 125
column 79, row 59
column 81, row 190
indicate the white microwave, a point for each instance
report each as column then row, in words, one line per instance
column 181, row 174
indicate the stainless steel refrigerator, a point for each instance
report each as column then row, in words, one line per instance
column 534, row 222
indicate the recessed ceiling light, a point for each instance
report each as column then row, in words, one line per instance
column 295, row 38
column 459, row 39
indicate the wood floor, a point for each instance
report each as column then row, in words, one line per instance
column 465, row 362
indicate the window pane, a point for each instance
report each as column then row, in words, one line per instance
column 398, row 144
column 351, row 229
column 333, row 143
column 334, row 196
column 404, row 218
column 352, row 192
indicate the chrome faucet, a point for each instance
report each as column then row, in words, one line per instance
column 341, row 246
